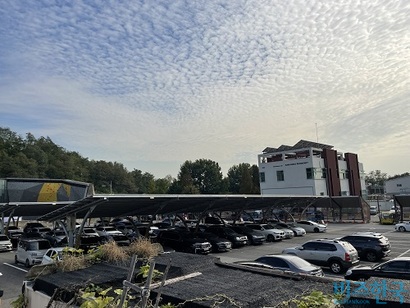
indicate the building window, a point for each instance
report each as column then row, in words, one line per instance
column 398, row 185
column 262, row 177
column 323, row 173
column 309, row 173
column 279, row 176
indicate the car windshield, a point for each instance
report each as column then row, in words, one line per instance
column 3, row 238
column 39, row 245
column 269, row 227
column 110, row 229
column 89, row 231
column 230, row 231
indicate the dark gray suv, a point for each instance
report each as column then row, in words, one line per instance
column 370, row 245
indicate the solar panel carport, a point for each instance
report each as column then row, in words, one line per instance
column 135, row 205
column 52, row 200
column 57, row 200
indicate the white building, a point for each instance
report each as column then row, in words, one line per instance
column 398, row 186
column 310, row 168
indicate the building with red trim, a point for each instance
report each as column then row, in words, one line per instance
column 310, row 168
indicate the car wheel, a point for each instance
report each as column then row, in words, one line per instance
column 371, row 256
column 316, row 230
column 270, row 238
column 336, row 267
column 27, row 264
column 402, row 229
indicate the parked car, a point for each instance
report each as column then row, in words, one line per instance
column 297, row 231
column 370, row 245
column 288, row 232
column 271, row 233
column 219, row 244
column 14, row 237
column 5, row 243
column 55, row 237
column 30, row 251
column 291, row 263
column 311, row 226
column 335, row 254
column 27, row 228
column 254, row 237
column 402, row 226
column 89, row 239
column 107, row 230
column 52, row 255
column 184, row 241
column 88, row 231
column 56, row 254
column 235, row 238
column 373, row 210
column 39, row 230
column 397, row 268
column 119, row 238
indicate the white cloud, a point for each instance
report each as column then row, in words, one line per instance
column 154, row 84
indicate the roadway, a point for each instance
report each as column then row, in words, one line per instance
column 14, row 275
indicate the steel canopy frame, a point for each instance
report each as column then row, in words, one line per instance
column 129, row 205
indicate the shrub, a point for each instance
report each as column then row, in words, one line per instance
column 144, row 249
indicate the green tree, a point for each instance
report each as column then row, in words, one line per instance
column 241, row 179
column 202, row 176
column 376, row 178
column 255, row 179
column 163, row 185
column 207, row 176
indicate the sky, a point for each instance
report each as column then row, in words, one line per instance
column 151, row 84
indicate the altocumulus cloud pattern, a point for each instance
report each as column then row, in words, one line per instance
column 154, row 83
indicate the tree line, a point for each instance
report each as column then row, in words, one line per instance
column 30, row 157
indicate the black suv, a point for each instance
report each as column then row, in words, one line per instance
column 184, row 241
column 254, row 237
column 236, row 239
column 371, row 246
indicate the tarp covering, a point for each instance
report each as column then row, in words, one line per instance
column 45, row 190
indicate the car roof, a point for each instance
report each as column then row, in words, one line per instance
column 326, row 240
column 36, row 239
column 57, row 248
column 367, row 233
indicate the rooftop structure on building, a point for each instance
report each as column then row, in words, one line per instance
column 310, row 168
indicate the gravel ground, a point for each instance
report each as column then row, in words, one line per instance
column 217, row 284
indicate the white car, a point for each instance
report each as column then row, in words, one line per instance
column 288, row 232
column 5, row 243
column 30, row 251
column 52, row 255
column 297, row 231
column 311, row 226
column 402, row 226
column 270, row 232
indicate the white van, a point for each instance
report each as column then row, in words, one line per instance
column 30, row 251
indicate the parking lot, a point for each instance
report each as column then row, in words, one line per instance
column 398, row 241
column 13, row 275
